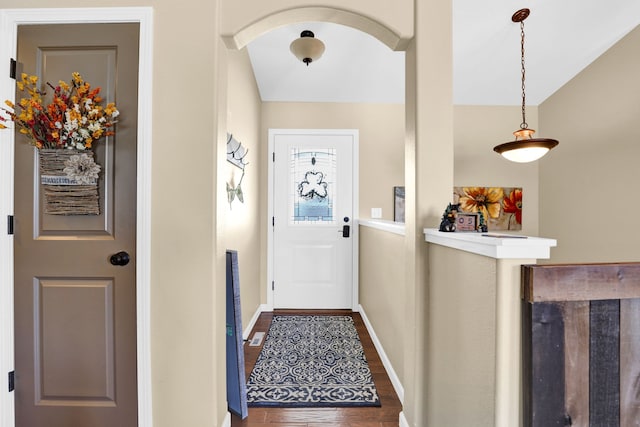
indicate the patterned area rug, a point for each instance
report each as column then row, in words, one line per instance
column 311, row 361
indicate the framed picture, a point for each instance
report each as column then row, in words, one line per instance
column 467, row 221
column 398, row 204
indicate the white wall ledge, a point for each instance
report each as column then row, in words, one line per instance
column 494, row 245
column 384, row 225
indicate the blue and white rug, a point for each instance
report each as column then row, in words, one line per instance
column 311, row 361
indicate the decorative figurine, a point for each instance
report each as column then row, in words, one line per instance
column 448, row 222
column 482, row 224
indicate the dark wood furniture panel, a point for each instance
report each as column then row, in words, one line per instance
column 581, row 282
column 581, row 345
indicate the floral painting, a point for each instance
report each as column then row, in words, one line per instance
column 500, row 206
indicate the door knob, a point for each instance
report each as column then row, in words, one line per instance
column 121, row 258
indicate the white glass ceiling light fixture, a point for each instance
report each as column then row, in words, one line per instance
column 307, row 48
column 524, row 148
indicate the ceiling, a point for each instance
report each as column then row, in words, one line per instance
column 562, row 37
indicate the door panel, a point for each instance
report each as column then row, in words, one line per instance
column 75, row 318
column 63, row 374
column 313, row 200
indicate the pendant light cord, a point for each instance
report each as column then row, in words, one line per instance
column 524, row 124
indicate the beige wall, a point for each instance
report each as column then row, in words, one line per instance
column 382, row 291
column 588, row 183
column 381, row 130
column 477, row 129
column 429, row 135
column 462, row 367
column 243, row 220
column 189, row 208
column 187, row 265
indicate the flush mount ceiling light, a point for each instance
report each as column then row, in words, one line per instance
column 307, row 48
column 525, row 148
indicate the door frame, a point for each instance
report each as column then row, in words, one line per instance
column 355, row 168
column 9, row 21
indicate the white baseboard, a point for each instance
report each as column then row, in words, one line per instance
column 395, row 381
column 252, row 322
column 227, row 420
column 403, row 420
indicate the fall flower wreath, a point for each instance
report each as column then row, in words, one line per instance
column 64, row 131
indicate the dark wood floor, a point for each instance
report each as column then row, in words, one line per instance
column 384, row 416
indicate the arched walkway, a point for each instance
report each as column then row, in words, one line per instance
column 388, row 36
column 321, row 14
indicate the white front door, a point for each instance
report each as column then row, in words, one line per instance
column 313, row 225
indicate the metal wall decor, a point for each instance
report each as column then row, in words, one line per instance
column 235, row 192
column 236, row 155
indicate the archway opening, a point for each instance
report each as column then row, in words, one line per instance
column 277, row 114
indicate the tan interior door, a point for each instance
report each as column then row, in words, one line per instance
column 75, row 312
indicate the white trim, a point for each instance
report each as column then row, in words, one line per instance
column 269, row 219
column 252, row 322
column 355, row 228
column 355, row 203
column 384, row 225
column 9, row 21
column 227, row 420
column 493, row 245
column 7, row 91
column 395, row 381
column 403, row 420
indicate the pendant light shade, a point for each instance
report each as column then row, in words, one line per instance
column 307, row 48
column 525, row 148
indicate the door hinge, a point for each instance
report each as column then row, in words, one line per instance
column 274, row 156
column 10, row 224
column 273, row 285
column 12, row 68
column 273, row 221
column 12, row 381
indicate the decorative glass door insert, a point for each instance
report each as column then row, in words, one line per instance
column 313, row 193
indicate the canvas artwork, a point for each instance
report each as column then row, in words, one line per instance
column 501, row 206
column 398, row 204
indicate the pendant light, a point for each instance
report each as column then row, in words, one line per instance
column 524, row 148
column 307, row 48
